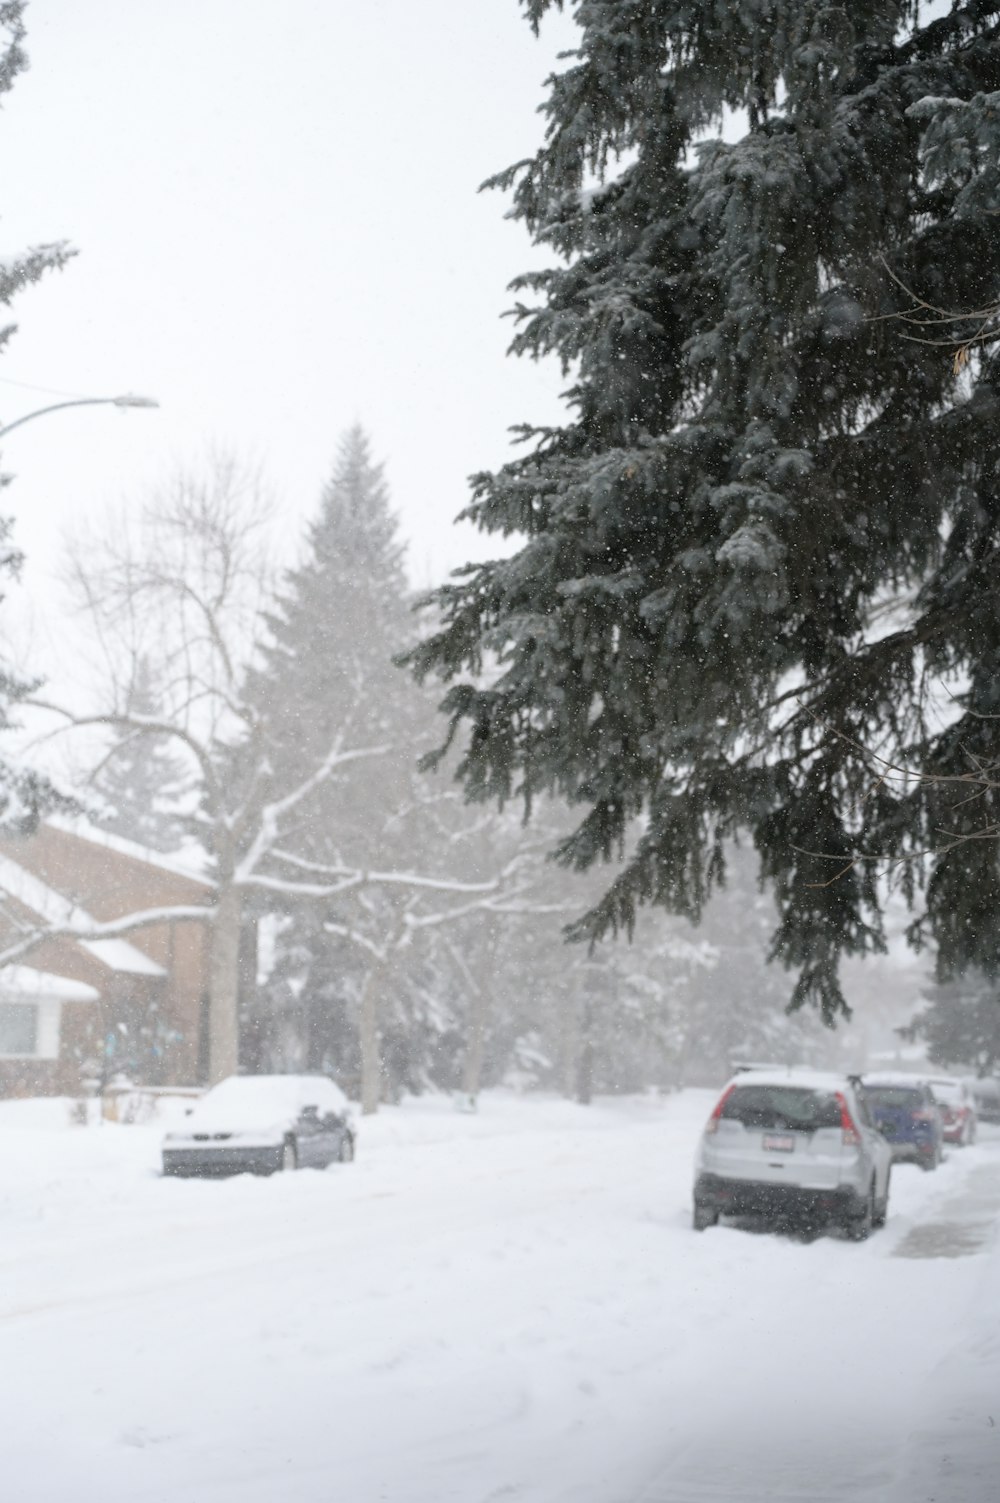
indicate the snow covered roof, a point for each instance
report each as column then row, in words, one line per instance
column 26, row 981
column 119, row 955
column 42, row 899
column 188, row 863
column 53, row 908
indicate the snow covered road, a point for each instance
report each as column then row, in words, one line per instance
column 503, row 1307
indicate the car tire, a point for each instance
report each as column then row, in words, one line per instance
column 347, row 1149
column 704, row 1217
column 859, row 1227
column 289, row 1156
column 879, row 1218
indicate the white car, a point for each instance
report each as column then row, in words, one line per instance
column 793, row 1143
column 262, row 1123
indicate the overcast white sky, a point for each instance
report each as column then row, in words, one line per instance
column 279, row 233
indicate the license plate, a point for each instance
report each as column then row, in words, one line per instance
column 779, row 1143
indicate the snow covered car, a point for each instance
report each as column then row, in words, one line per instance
column 793, row 1143
column 957, row 1108
column 259, row 1124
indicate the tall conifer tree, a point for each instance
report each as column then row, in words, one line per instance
column 960, row 1025
column 140, row 780
column 342, row 615
column 23, row 792
column 756, row 458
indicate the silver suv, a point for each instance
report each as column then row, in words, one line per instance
column 793, row 1143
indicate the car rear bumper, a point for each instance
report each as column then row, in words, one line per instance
column 752, row 1198
column 220, row 1162
column 913, row 1153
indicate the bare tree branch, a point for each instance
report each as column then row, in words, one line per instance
column 112, row 929
column 142, row 724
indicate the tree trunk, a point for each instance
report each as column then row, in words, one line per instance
column 224, row 986
column 475, row 1047
column 571, row 1036
column 371, row 1062
column 480, row 1008
column 585, row 1064
column 254, row 1023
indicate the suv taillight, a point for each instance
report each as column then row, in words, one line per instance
column 713, row 1122
column 850, row 1136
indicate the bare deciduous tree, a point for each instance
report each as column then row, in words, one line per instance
column 184, row 589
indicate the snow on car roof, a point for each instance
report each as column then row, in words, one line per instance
column 245, row 1101
column 893, row 1078
column 946, row 1087
column 793, row 1075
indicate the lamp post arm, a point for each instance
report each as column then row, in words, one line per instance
column 127, row 401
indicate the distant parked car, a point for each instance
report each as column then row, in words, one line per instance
column 793, row 1143
column 986, row 1095
column 959, row 1119
column 259, row 1124
column 907, row 1115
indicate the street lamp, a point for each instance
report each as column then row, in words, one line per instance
column 128, row 400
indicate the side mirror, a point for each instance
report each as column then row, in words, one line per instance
column 310, row 1113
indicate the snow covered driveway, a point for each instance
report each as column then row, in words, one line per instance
column 481, row 1309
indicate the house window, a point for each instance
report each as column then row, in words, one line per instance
column 18, row 1029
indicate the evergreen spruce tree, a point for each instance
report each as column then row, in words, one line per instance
column 961, row 1024
column 140, row 780
column 24, row 793
column 342, row 615
column 756, row 458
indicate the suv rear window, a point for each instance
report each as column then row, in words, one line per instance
column 900, row 1097
column 793, row 1108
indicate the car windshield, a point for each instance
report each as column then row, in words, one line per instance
column 894, row 1098
column 793, row 1108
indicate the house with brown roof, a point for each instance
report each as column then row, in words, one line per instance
column 73, row 1009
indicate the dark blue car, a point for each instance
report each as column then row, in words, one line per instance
column 907, row 1116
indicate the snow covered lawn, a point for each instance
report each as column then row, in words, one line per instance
column 509, row 1306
